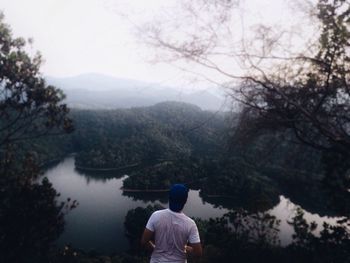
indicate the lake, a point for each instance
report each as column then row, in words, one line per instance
column 98, row 221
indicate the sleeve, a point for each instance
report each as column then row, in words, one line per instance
column 151, row 222
column 194, row 235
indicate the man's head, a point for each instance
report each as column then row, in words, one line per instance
column 177, row 197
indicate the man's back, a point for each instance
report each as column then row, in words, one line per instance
column 172, row 231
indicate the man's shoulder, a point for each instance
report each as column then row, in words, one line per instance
column 167, row 211
column 185, row 218
column 161, row 211
column 190, row 220
column 154, row 218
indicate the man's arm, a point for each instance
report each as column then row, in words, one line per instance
column 146, row 240
column 194, row 249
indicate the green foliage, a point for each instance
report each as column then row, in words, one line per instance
column 313, row 104
column 135, row 222
column 240, row 236
column 166, row 144
column 28, row 107
column 30, row 218
column 238, row 183
column 110, row 139
column 332, row 244
column 161, row 176
column 136, row 219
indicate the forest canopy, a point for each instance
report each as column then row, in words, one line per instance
column 296, row 87
column 291, row 136
column 31, row 218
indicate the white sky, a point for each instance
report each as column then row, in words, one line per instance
column 81, row 36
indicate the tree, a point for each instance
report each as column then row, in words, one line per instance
column 314, row 104
column 281, row 87
column 28, row 107
column 31, row 218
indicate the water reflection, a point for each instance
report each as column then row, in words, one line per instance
column 98, row 222
column 286, row 210
column 245, row 202
column 314, row 199
column 145, row 197
column 100, row 175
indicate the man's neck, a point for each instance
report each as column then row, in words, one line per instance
column 179, row 212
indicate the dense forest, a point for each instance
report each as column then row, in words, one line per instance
column 291, row 136
column 178, row 142
column 165, row 131
column 167, row 143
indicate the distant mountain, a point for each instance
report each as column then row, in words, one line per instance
column 98, row 91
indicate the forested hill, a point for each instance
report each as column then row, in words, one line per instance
column 168, row 130
column 178, row 142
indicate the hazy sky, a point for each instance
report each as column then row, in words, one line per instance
column 80, row 36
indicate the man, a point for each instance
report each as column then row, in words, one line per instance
column 175, row 235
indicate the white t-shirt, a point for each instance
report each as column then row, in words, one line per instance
column 172, row 232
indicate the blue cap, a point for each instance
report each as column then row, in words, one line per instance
column 177, row 197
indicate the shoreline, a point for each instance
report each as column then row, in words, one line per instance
column 107, row 169
column 219, row 196
column 144, row 190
